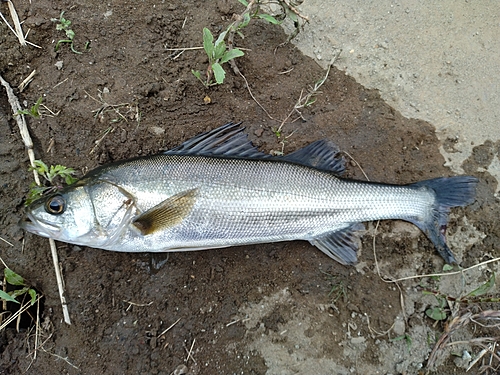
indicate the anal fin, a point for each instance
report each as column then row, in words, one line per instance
column 167, row 213
column 342, row 245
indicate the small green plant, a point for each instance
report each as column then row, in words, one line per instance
column 64, row 24
column 217, row 51
column 288, row 10
column 257, row 14
column 217, row 55
column 337, row 290
column 33, row 111
column 54, row 171
column 405, row 337
column 14, row 279
column 437, row 312
column 304, row 101
column 440, row 312
column 53, row 175
column 276, row 131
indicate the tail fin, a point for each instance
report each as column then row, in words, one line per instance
column 450, row 192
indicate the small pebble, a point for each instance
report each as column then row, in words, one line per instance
column 180, row 370
column 399, row 327
column 156, row 130
column 358, row 340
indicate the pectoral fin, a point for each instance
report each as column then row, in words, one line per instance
column 167, row 213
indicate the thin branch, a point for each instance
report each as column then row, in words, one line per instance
column 18, row 313
column 60, row 282
column 189, row 353
column 170, row 327
column 309, row 98
column 253, row 97
column 7, row 242
column 232, row 31
column 28, row 143
column 17, row 24
column 443, row 273
column 18, row 32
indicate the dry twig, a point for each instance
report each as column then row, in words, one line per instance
column 7, row 242
column 230, row 43
column 18, row 313
column 28, row 143
column 189, row 353
column 170, row 327
column 310, row 97
column 18, row 32
column 26, row 81
column 459, row 322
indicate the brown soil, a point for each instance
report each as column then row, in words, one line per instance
column 120, row 304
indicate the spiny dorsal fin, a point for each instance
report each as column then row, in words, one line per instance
column 226, row 140
column 322, row 154
column 167, row 213
column 229, row 140
column 342, row 245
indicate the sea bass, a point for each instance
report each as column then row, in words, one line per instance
column 218, row 190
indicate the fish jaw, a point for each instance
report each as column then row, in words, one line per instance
column 40, row 227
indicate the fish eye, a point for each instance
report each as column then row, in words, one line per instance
column 55, row 205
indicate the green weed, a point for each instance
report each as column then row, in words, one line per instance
column 338, row 288
column 54, row 171
column 14, row 279
column 287, row 10
column 405, row 337
column 33, row 111
column 440, row 311
column 53, row 175
column 218, row 52
column 217, row 55
column 64, row 24
column 437, row 312
column 255, row 12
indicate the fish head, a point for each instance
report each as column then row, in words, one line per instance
column 66, row 216
column 91, row 212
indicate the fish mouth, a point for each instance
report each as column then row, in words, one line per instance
column 39, row 226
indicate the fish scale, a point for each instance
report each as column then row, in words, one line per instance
column 218, row 190
column 231, row 206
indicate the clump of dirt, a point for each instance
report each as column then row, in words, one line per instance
column 243, row 310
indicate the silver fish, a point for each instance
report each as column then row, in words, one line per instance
column 217, row 190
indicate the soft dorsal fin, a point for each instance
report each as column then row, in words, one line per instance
column 226, row 140
column 321, row 154
column 341, row 245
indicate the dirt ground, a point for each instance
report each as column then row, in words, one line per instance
column 282, row 308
